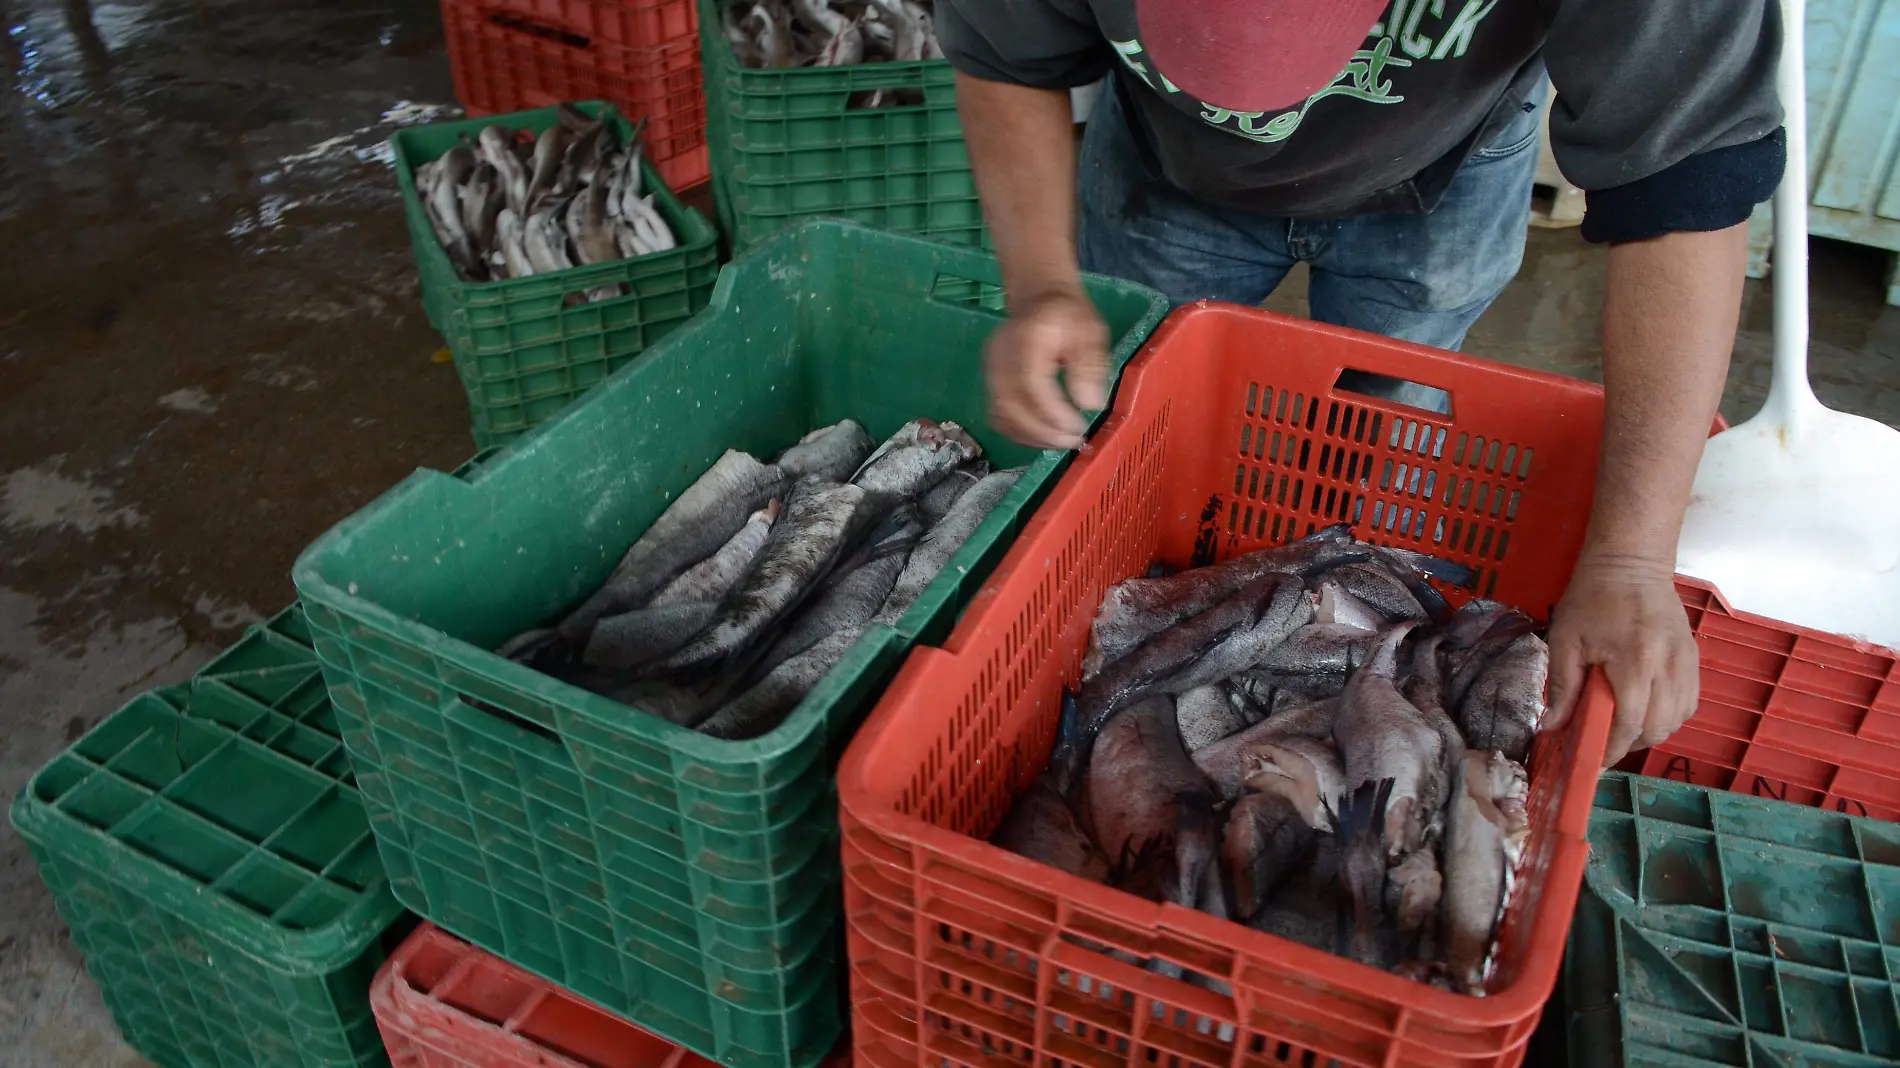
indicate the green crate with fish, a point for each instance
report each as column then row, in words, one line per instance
column 595, row 688
column 550, row 253
column 834, row 107
column 1721, row 929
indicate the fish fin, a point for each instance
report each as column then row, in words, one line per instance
column 1426, row 564
column 1334, row 532
column 1070, row 757
column 1160, row 569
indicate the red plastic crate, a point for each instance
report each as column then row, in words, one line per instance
column 1790, row 713
column 442, row 1003
column 512, row 55
column 1227, row 434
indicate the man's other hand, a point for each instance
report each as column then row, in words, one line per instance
column 1625, row 617
column 1054, row 332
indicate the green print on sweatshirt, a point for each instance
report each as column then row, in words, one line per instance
column 1364, row 77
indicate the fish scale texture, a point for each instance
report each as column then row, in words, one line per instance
column 522, row 351
column 684, row 881
column 210, row 855
column 787, row 144
column 1227, row 435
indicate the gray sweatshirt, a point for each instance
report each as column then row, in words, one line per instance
column 1665, row 111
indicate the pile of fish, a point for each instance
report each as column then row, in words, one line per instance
column 756, row 580
column 1307, row 740
column 511, row 205
column 833, row 33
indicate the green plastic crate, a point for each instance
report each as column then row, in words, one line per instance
column 521, row 351
column 785, row 145
column 218, row 876
column 686, row 882
column 1721, row 929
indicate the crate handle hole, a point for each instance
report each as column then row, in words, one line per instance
column 963, row 292
column 1398, row 390
column 512, row 719
column 517, row 23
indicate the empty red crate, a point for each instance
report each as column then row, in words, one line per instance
column 513, row 55
column 1228, row 433
column 1786, row 712
column 442, row 1003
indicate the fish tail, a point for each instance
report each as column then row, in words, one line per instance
column 1362, row 864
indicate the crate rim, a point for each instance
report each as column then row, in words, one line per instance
column 686, row 220
column 311, row 951
column 1592, row 718
column 312, row 586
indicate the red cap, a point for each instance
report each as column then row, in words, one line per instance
column 1253, row 55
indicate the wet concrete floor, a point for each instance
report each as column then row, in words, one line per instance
column 211, row 349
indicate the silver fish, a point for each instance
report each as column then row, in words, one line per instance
column 1414, row 890
column 1205, row 715
column 693, row 527
column 846, row 47
column 1381, row 736
column 1338, row 605
column 1320, row 648
column 909, row 35
column 549, row 150
column 943, row 541
column 1305, row 771
column 851, row 597
column 524, row 645
column 1150, row 807
column 1265, row 841
column 651, row 226
column 631, row 639
column 937, row 502
column 774, row 41
column 497, row 147
column 766, row 703
column 1282, row 609
column 1374, row 585
column 833, row 452
column 511, row 240
column 712, row 578
column 482, row 200
column 1504, row 705
column 455, row 169
column 1138, row 609
column 800, row 549
column 820, row 15
column 580, row 163
column 1484, row 837
column 913, row 460
column 546, row 242
column 1040, row 825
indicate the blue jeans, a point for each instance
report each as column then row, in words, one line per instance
column 1418, row 277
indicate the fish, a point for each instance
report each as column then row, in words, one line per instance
column 1265, row 841
column 1320, row 648
column 632, row 639
column 936, row 503
column 1504, row 706
column 1362, row 867
column 1304, row 771
column 1335, row 604
column 546, row 242
column 846, row 47
column 580, row 161
column 909, row 35
column 833, row 452
column 1414, row 889
column 1040, row 825
column 497, row 147
column 818, row 14
column 1375, row 586
column 650, row 226
column 765, row 704
column 456, row 167
column 1380, row 736
column 1151, row 809
column 1475, row 635
column 1283, row 609
column 588, row 226
column 482, row 200
column 1413, row 568
column 856, row 591
column 549, row 150
column 525, row 645
column 927, row 25
column 510, row 239
column 681, row 703
column 1137, row 609
column 1228, row 762
column 1425, row 689
column 1205, row 715
column 911, row 461
column 692, row 528
column 1484, row 838
column 774, row 42
column 712, row 578
column 799, row 551
column 942, row 542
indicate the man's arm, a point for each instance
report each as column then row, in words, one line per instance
column 1670, row 305
column 1022, row 150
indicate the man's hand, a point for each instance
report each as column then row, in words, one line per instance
column 1625, row 616
column 1056, row 331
